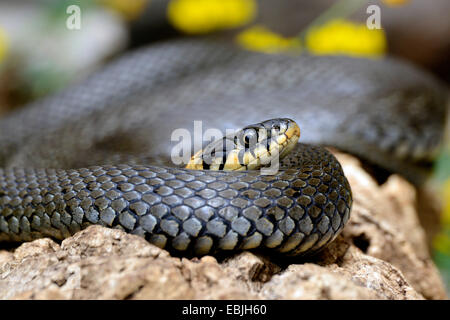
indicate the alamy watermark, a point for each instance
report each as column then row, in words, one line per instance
column 374, row 19
column 73, row 22
column 219, row 145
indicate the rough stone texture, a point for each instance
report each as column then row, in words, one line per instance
column 381, row 254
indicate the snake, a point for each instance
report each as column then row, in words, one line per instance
column 101, row 151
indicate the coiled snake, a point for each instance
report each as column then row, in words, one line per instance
column 383, row 110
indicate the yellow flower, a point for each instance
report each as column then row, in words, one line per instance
column 129, row 9
column 446, row 215
column 259, row 38
column 203, row 16
column 3, row 44
column 345, row 37
column 442, row 241
column 395, row 2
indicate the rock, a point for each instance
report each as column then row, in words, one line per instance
column 364, row 277
column 381, row 254
column 385, row 225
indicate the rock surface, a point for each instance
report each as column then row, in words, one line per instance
column 381, row 254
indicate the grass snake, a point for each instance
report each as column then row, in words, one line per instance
column 108, row 141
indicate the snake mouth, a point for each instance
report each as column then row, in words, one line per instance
column 250, row 148
column 292, row 135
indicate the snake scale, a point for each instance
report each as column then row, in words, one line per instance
column 108, row 141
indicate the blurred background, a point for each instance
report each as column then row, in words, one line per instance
column 47, row 44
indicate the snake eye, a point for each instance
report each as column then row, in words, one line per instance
column 247, row 141
column 275, row 129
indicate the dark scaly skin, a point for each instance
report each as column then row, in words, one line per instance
column 382, row 110
column 299, row 210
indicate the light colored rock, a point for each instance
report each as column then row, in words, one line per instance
column 381, row 254
column 385, row 225
column 364, row 277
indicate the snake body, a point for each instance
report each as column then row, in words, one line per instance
column 385, row 111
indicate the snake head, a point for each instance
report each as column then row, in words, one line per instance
column 249, row 148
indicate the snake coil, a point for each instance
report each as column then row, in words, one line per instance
column 383, row 110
